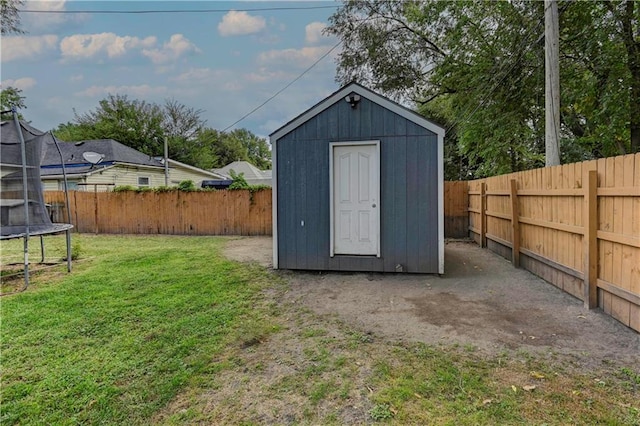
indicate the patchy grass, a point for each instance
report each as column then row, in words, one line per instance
column 164, row 330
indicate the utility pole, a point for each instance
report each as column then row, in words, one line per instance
column 552, row 83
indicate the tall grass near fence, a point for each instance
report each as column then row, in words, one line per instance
column 576, row 225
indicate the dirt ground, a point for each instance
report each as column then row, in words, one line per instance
column 480, row 301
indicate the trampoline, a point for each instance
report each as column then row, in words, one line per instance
column 23, row 212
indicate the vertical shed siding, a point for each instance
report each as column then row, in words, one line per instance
column 408, row 185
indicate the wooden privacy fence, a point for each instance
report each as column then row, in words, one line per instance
column 202, row 213
column 456, row 216
column 577, row 226
column 180, row 213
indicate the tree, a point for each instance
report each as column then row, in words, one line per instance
column 10, row 98
column 134, row 123
column 253, row 149
column 182, row 126
column 144, row 126
column 479, row 67
column 600, row 76
column 471, row 63
column 9, row 17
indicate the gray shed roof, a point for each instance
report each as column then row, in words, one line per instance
column 362, row 91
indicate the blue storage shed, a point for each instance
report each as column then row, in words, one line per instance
column 358, row 186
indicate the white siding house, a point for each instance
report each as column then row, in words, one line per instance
column 115, row 165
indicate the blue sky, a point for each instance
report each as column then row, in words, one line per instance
column 224, row 63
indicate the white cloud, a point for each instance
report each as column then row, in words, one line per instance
column 313, row 32
column 140, row 91
column 206, row 79
column 27, row 47
column 90, row 46
column 263, row 75
column 293, row 57
column 38, row 23
column 240, row 23
column 194, row 74
column 21, row 83
column 77, row 77
column 177, row 46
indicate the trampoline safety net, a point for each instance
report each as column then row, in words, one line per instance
column 12, row 203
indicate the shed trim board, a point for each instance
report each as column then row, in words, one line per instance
column 374, row 98
column 376, row 193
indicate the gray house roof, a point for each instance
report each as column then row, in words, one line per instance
column 109, row 152
column 252, row 174
column 250, row 171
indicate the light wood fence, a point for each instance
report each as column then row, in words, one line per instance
column 202, row 213
column 577, row 226
column 180, row 213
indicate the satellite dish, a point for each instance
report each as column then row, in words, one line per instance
column 92, row 157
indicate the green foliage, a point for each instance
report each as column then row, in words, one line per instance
column 251, row 148
column 11, row 97
column 381, row 412
column 76, row 250
column 478, row 68
column 187, row 185
column 144, row 126
column 124, row 188
column 9, row 16
column 239, row 182
column 134, row 123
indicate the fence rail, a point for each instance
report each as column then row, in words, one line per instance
column 180, row 213
column 202, row 213
column 577, row 226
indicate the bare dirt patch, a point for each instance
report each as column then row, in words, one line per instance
column 481, row 301
column 355, row 348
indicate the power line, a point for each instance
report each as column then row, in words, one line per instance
column 151, row 11
column 285, row 87
column 466, row 115
column 295, row 79
column 522, row 47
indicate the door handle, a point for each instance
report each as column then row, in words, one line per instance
column 373, row 205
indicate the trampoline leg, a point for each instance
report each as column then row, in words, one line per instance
column 68, row 232
column 41, row 249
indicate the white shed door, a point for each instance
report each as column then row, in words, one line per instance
column 356, row 183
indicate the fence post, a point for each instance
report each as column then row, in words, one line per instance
column 95, row 211
column 590, row 239
column 515, row 224
column 483, row 216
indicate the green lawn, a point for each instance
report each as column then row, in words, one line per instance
column 114, row 341
column 164, row 330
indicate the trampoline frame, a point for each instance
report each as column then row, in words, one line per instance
column 56, row 228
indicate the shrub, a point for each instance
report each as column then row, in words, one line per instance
column 187, row 185
column 124, row 188
column 239, row 182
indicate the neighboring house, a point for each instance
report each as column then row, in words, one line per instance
column 101, row 165
column 358, row 186
column 252, row 174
